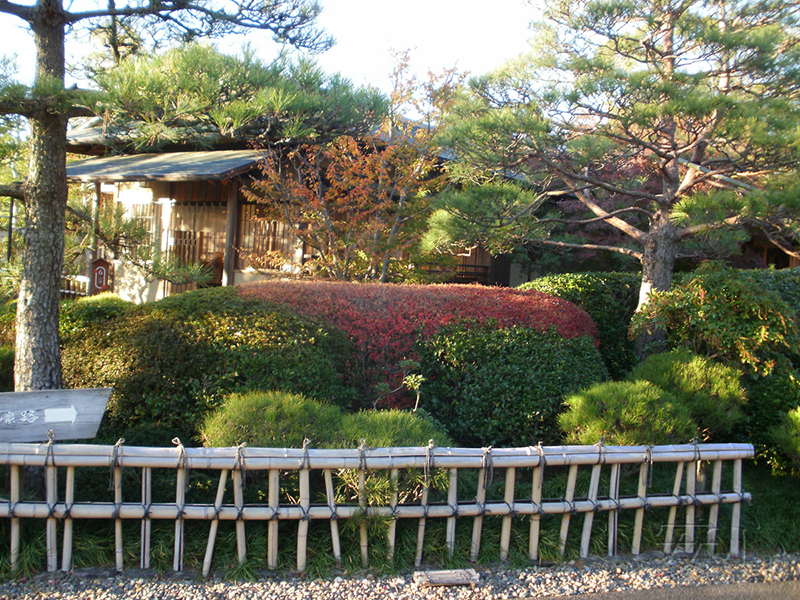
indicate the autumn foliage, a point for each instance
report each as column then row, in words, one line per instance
column 385, row 321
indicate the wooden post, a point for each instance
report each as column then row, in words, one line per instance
column 737, row 508
column 536, row 518
column 394, row 475
column 568, row 498
column 15, row 493
column 508, row 497
column 362, row 528
column 421, row 527
column 673, row 511
column 302, row 526
column 180, row 502
column 588, row 519
column 69, row 499
column 691, row 481
column 51, row 491
column 452, row 501
column 273, row 499
column 229, row 260
column 238, row 501
column 613, row 514
column 147, row 526
column 638, row 521
column 477, row 523
column 337, row 548
column 212, row 534
column 713, row 515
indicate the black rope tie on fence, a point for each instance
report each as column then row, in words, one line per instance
column 648, row 459
column 362, row 455
column 114, row 463
column 488, row 464
column 183, row 463
column 239, row 463
column 542, row 455
column 50, row 460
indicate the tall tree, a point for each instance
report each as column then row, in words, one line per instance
column 48, row 106
column 633, row 108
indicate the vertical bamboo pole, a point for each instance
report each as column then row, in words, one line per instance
column 639, row 519
column 14, row 497
column 69, row 499
column 394, row 475
column 673, row 511
column 119, row 557
column 691, row 482
column 613, row 515
column 568, row 498
column 588, row 519
column 337, row 548
column 536, row 518
column 51, row 492
column 147, row 525
column 737, row 507
column 362, row 528
column 508, row 498
column 421, row 527
column 212, row 533
column 238, row 501
column 452, row 501
column 302, row 526
column 477, row 523
column 713, row 515
column 272, row 528
column 180, row 502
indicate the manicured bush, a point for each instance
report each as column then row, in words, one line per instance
column 173, row 361
column 626, row 413
column 76, row 315
column 720, row 313
column 610, row 299
column 7, row 368
column 385, row 321
column 786, row 436
column 712, row 392
column 503, row 387
column 283, row 420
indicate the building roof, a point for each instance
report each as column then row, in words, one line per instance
column 173, row 166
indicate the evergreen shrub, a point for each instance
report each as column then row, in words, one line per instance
column 283, row 420
column 786, row 436
column 386, row 321
column 503, row 387
column 172, row 361
column 626, row 413
column 610, row 299
column 712, row 392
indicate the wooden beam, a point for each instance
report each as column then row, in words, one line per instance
column 229, row 263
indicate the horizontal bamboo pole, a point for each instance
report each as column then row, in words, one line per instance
column 288, row 513
column 376, row 458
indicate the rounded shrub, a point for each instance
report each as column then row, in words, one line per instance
column 610, row 299
column 76, row 315
column 283, row 420
column 712, row 392
column 503, row 387
column 171, row 362
column 626, row 413
column 786, row 436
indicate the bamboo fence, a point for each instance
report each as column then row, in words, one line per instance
column 235, row 464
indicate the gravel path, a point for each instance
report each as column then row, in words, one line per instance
column 591, row 576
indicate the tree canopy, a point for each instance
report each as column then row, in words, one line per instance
column 48, row 106
column 666, row 120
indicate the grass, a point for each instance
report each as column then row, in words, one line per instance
column 769, row 525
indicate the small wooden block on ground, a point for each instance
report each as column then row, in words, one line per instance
column 449, row 577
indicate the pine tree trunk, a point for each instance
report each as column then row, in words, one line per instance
column 38, row 357
column 658, row 262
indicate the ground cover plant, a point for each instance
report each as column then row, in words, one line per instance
column 384, row 322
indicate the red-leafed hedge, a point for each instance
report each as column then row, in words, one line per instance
column 385, row 321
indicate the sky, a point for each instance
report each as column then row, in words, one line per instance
column 441, row 34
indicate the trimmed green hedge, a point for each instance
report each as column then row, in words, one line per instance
column 610, row 299
column 503, row 387
column 171, row 362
